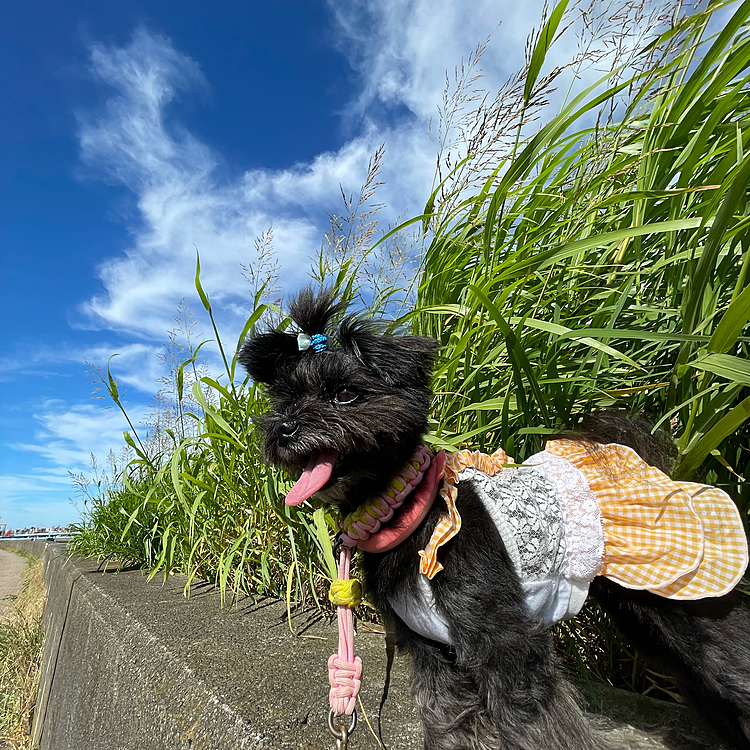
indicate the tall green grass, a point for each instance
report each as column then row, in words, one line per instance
column 607, row 266
column 206, row 505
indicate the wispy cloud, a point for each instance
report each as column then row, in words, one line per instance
column 136, row 364
column 180, row 201
column 63, row 441
column 67, row 436
column 401, row 51
column 137, row 141
column 52, row 503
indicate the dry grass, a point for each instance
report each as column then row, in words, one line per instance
column 21, row 646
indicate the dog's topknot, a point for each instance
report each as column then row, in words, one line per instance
column 263, row 353
column 314, row 311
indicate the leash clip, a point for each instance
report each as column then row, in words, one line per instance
column 341, row 733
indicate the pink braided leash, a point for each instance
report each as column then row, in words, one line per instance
column 344, row 668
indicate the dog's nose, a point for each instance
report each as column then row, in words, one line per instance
column 285, row 431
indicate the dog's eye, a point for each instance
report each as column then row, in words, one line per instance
column 346, row 396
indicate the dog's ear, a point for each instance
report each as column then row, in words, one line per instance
column 262, row 355
column 400, row 361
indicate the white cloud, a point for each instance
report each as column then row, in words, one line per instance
column 180, row 202
column 12, row 483
column 133, row 364
column 51, row 505
column 136, row 142
column 401, row 51
column 137, row 365
column 130, row 141
column 64, row 441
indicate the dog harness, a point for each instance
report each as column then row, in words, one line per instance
column 578, row 510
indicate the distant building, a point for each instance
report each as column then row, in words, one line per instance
column 34, row 532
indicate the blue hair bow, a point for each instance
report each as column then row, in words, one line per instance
column 318, row 342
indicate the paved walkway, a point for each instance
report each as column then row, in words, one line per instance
column 12, row 567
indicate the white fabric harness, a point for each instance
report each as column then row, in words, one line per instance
column 550, row 524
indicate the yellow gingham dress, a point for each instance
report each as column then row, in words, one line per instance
column 679, row 540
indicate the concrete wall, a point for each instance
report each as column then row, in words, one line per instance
column 133, row 665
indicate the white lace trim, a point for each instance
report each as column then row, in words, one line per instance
column 524, row 506
column 582, row 517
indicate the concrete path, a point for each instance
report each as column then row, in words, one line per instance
column 12, row 567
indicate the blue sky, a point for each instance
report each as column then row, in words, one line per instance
column 133, row 130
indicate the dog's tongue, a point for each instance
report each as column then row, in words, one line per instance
column 317, row 473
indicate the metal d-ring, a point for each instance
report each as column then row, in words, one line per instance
column 342, row 733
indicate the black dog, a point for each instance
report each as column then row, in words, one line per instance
column 359, row 408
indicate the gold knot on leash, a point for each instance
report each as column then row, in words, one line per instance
column 346, row 593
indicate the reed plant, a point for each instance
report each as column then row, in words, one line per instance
column 201, row 501
column 606, row 266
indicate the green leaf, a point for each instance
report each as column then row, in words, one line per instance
column 216, row 385
column 129, row 440
column 728, row 424
column 181, row 370
column 112, row 383
column 515, row 352
column 725, row 366
column 546, row 37
column 324, row 539
column 704, row 272
column 251, row 321
column 732, row 323
column 611, row 238
column 198, row 287
column 544, row 325
column 201, row 399
column 619, row 333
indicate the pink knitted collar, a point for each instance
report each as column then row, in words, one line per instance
column 368, row 527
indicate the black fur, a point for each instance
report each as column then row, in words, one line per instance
column 616, row 426
column 705, row 644
column 498, row 686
